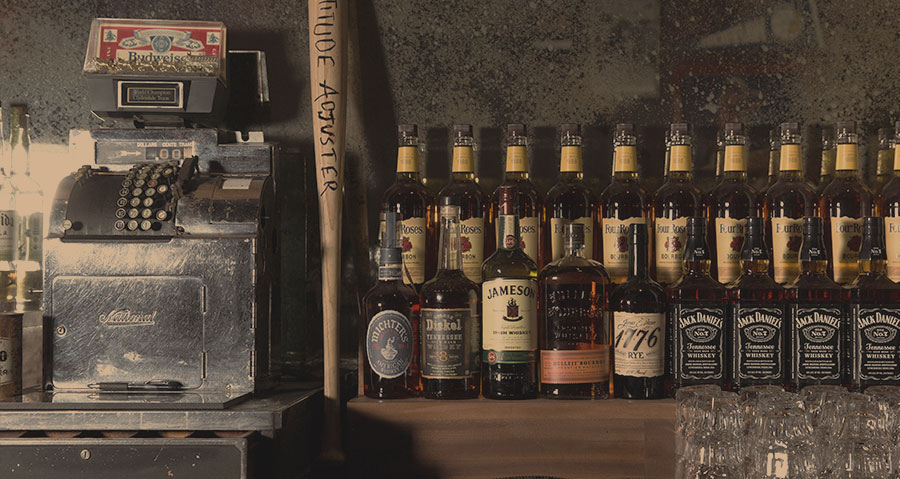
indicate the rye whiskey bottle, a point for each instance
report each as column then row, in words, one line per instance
column 570, row 200
column 884, row 161
column 638, row 326
column 623, row 203
column 574, row 325
column 463, row 191
column 700, row 337
column 829, row 158
column 889, row 207
column 819, row 322
column 509, row 301
column 758, row 312
column 843, row 205
column 451, row 321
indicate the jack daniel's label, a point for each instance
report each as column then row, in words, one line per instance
column 877, row 343
column 389, row 344
column 510, row 320
column 759, row 333
column 449, row 347
column 699, row 342
column 816, row 340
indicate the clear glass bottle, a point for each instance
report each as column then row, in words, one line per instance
column 889, row 208
column 29, row 204
column 8, row 232
column 570, row 199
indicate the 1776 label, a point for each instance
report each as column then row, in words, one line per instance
column 877, row 338
column 699, row 342
column 759, row 347
column 639, row 340
column 816, row 339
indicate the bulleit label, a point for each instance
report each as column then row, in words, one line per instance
column 816, row 339
column 892, row 244
column 412, row 247
column 760, row 336
column 509, row 334
column 471, row 245
column 671, row 236
column 846, row 239
column 729, row 242
column 787, row 236
column 558, row 236
column 448, row 351
column 615, row 246
column 577, row 366
column 699, row 342
column 389, row 344
column 639, row 340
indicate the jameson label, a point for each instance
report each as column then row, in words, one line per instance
column 389, row 344
column 892, row 244
column 528, row 236
column 729, row 242
column 579, row 366
column 671, row 237
column 787, row 236
column 615, row 247
column 471, row 245
column 412, row 246
column 699, row 342
column 877, row 338
column 558, row 236
column 509, row 334
column 7, row 235
column 408, row 159
column 816, row 339
column 516, row 158
column 8, row 355
column 846, row 238
column 759, row 346
column 449, row 350
column 570, row 159
column 640, row 340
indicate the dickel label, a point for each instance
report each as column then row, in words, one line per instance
column 448, row 351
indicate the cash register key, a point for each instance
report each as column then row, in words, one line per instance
column 120, row 225
column 137, row 192
column 169, row 171
column 162, row 189
column 135, row 201
column 146, row 213
column 146, row 225
column 132, row 225
column 120, row 213
column 162, row 215
column 142, row 176
column 133, row 213
column 150, row 191
column 148, row 202
column 138, row 183
column 122, row 202
column 130, row 175
column 155, row 176
column 152, row 183
column 126, row 183
column 124, row 192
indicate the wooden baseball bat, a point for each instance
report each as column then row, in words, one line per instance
column 328, row 93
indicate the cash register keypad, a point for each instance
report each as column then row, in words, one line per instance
column 147, row 197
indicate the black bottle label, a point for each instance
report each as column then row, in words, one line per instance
column 758, row 349
column 816, row 335
column 877, row 338
column 448, row 343
column 699, row 342
column 389, row 344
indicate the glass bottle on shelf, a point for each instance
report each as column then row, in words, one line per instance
column 884, row 160
column 774, row 140
column 889, row 207
column 570, row 200
column 29, row 222
column 8, row 231
column 829, row 158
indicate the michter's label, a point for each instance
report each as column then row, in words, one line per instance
column 510, row 320
column 573, row 315
column 846, row 238
column 699, row 342
column 877, row 343
column 639, row 340
column 816, row 339
column 7, row 235
column 528, row 236
column 671, row 237
column 412, row 246
column 615, row 246
column 729, row 242
column 892, row 243
column 389, row 344
column 449, row 349
column 787, row 236
column 759, row 346
column 558, row 237
column 471, row 244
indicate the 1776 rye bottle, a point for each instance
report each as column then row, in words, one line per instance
column 884, row 161
column 451, row 321
column 638, row 326
column 623, row 203
column 875, row 329
column 758, row 313
column 787, row 202
column 889, row 207
column 819, row 326
column 574, row 327
column 409, row 197
column 700, row 330
column 464, row 192
column 570, row 200
column 676, row 200
column 392, row 309
column 509, row 301
column 843, row 205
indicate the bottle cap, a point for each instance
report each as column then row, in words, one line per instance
column 407, row 130
column 449, row 211
column 508, row 199
column 872, row 248
column 637, row 234
column 390, row 250
column 812, row 249
column 574, row 235
column 516, row 129
column 462, row 130
column 696, row 248
column 754, row 248
column 569, row 129
column 848, row 126
column 790, row 128
column 679, row 129
column 624, row 129
column 733, row 129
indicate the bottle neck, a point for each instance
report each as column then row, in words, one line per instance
column 390, row 268
column 829, row 157
column 408, row 162
column 697, row 268
column 791, row 159
column 19, row 151
column 625, row 162
column 575, row 249
column 735, row 159
column 873, row 267
column 847, row 158
column 463, row 161
column 508, row 232
column 755, row 266
column 885, row 162
column 897, row 160
column 638, row 262
column 686, row 176
column 773, row 163
column 814, row 268
column 680, row 162
column 570, row 162
column 450, row 254
column 516, row 160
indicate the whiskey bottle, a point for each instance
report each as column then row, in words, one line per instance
column 884, row 160
column 819, row 324
column 392, row 309
column 774, row 157
column 843, row 205
column 8, row 223
column 758, row 311
column 623, row 203
column 509, row 302
column 730, row 204
column 789, row 200
column 889, row 207
column 29, row 222
column 638, row 326
column 528, row 207
column 463, row 191
column 415, row 203
column 700, row 327
column 451, row 321
column 570, row 200
column 574, row 337
column 875, row 300
column 720, row 155
column 829, row 158
column 676, row 200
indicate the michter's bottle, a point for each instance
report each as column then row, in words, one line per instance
column 623, row 203
column 700, row 327
column 889, row 207
column 758, row 312
column 843, row 205
column 29, row 222
column 8, row 231
column 676, row 200
column 575, row 329
column 464, row 192
column 570, row 200
column 451, row 321
column 509, row 301
column 639, row 326
column 819, row 324
column 528, row 206
column 884, row 161
column 829, row 158
column 876, row 314
column 786, row 203
column 392, row 309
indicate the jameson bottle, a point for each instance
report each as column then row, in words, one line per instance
column 574, row 327
column 758, row 311
column 875, row 319
column 528, row 206
column 829, row 158
column 29, row 222
column 392, row 309
column 884, row 161
column 451, row 321
column 463, row 191
column 789, row 200
column 623, row 203
column 8, row 231
column 570, row 200
column 889, row 207
column 700, row 327
column 843, row 205
column 676, row 200
column 731, row 202
column 774, row 140
column 819, row 323
column 509, row 301
column 414, row 202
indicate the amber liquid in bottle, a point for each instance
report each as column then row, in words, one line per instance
column 570, row 199
column 884, row 161
column 889, row 207
column 829, row 158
